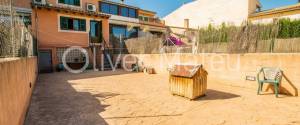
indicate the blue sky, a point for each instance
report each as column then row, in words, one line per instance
column 164, row 7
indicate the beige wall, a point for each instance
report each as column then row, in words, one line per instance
column 15, row 91
column 201, row 13
column 233, row 68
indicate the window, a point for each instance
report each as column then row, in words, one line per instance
column 146, row 19
column 113, row 9
column 109, row 8
column 67, row 23
column 96, row 32
column 118, row 10
column 124, row 11
column 74, row 56
column 105, row 8
column 132, row 13
column 133, row 33
column 117, row 30
column 70, row 2
column 141, row 17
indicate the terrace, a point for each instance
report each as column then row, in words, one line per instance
column 99, row 98
column 231, row 56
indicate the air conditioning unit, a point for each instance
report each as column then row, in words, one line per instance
column 41, row 2
column 91, row 7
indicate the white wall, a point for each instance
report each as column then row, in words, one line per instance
column 203, row 12
column 270, row 20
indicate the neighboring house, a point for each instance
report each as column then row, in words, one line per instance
column 201, row 13
column 24, row 10
column 292, row 12
column 90, row 24
column 150, row 23
column 20, row 8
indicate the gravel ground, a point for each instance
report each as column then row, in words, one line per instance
column 120, row 98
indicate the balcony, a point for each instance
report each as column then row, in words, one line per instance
column 152, row 22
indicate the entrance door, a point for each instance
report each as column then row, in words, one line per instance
column 45, row 61
column 96, row 31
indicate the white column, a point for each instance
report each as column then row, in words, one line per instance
column 94, row 58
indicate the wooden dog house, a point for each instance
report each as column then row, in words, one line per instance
column 188, row 81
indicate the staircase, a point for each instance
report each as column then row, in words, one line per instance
column 108, row 60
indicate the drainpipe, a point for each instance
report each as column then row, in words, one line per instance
column 12, row 27
column 36, row 37
column 94, row 58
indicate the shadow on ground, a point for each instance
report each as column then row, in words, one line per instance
column 217, row 95
column 56, row 102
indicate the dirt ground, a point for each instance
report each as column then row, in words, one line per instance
column 125, row 98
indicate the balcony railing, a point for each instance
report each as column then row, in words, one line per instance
column 152, row 21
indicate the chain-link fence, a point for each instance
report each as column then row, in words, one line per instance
column 15, row 37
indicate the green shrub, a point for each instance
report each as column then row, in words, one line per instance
column 283, row 29
column 212, row 34
column 289, row 28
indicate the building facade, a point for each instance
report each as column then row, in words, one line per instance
column 60, row 24
column 127, row 22
column 90, row 24
column 268, row 16
column 201, row 13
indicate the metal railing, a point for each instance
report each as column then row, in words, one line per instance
column 152, row 21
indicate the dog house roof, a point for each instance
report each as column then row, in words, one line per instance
column 188, row 71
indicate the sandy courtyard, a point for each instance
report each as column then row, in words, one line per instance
column 124, row 98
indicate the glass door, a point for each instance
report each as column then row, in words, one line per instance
column 118, row 34
column 96, row 32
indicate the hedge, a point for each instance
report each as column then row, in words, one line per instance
column 283, row 29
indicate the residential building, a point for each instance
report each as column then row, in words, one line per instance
column 24, row 10
column 267, row 16
column 21, row 8
column 129, row 22
column 201, row 13
column 60, row 24
column 90, row 24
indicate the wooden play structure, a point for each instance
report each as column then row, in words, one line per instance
column 189, row 81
